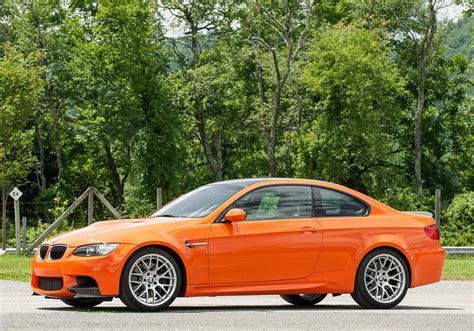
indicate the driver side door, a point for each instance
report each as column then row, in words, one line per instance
column 279, row 240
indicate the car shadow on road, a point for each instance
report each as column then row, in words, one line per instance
column 255, row 308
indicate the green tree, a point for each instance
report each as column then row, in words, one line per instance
column 354, row 86
column 279, row 30
column 200, row 20
column 215, row 94
column 20, row 91
column 120, row 64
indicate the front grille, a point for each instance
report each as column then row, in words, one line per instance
column 43, row 251
column 57, row 252
column 50, row 283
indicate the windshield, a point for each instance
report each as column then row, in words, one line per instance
column 198, row 203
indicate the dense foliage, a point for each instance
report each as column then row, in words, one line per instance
column 129, row 96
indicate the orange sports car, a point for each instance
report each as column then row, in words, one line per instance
column 301, row 239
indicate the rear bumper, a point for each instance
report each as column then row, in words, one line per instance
column 427, row 265
column 104, row 270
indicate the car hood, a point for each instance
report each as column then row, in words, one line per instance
column 131, row 231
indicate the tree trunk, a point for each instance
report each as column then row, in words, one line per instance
column 194, row 42
column 57, row 145
column 118, row 182
column 418, row 118
column 215, row 163
column 274, row 132
column 219, row 163
column 39, row 141
column 260, row 84
column 4, row 218
column 423, row 60
column 299, row 108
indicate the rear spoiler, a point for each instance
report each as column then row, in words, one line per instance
column 423, row 213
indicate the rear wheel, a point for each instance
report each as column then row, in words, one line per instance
column 150, row 280
column 382, row 280
column 303, row 300
column 82, row 303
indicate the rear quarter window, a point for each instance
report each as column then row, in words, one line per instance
column 331, row 203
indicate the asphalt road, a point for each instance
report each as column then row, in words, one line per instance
column 446, row 305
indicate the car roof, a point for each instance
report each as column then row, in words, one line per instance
column 244, row 182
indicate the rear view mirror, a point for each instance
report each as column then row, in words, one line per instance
column 235, row 215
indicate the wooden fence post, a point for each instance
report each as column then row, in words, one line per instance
column 63, row 216
column 90, row 206
column 438, row 207
column 159, row 197
column 91, row 191
column 107, row 204
column 23, row 240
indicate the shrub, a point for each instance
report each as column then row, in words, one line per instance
column 407, row 200
column 457, row 223
column 33, row 232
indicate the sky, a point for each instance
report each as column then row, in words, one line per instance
column 451, row 12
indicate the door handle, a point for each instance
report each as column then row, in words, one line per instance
column 308, row 229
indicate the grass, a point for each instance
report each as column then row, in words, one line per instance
column 459, row 267
column 15, row 267
column 12, row 267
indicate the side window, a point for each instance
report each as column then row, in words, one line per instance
column 329, row 203
column 277, row 202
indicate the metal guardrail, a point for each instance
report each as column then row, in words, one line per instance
column 459, row 250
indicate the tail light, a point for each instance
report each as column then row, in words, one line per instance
column 432, row 231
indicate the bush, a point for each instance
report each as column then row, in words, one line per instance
column 33, row 232
column 408, row 200
column 457, row 224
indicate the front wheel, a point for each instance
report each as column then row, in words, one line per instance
column 303, row 300
column 382, row 280
column 82, row 303
column 150, row 280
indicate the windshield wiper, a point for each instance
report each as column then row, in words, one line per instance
column 166, row 215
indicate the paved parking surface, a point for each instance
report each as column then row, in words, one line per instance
column 446, row 305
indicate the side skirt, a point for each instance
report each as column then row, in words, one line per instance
column 341, row 281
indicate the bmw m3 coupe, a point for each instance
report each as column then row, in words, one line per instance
column 301, row 239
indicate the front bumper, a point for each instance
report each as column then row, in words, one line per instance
column 61, row 278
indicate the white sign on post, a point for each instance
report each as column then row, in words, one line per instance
column 16, row 193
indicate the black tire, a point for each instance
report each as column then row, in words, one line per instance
column 302, row 301
column 362, row 296
column 82, row 303
column 126, row 292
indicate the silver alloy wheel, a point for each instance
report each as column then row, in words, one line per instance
column 384, row 278
column 152, row 279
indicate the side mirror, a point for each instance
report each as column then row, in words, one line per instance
column 235, row 215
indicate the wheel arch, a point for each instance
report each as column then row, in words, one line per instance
column 175, row 255
column 393, row 248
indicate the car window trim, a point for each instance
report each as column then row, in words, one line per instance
column 220, row 217
column 368, row 207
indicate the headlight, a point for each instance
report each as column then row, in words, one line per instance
column 95, row 250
